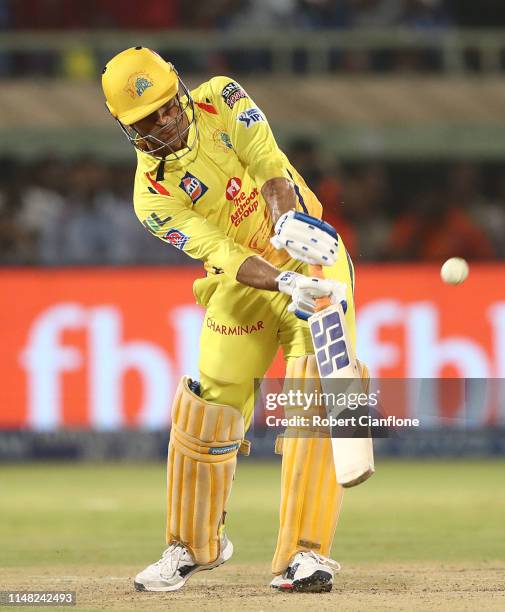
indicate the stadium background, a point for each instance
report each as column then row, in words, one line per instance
column 394, row 112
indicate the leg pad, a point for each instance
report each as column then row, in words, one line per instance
column 202, row 456
column 310, row 495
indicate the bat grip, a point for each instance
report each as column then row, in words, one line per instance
column 323, row 302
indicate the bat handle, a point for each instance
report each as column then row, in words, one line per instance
column 323, row 302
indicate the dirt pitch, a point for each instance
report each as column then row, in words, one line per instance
column 243, row 588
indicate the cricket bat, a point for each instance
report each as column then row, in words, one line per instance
column 353, row 457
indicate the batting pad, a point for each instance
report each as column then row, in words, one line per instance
column 202, row 455
column 310, row 496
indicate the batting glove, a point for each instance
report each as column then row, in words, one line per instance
column 305, row 290
column 306, row 238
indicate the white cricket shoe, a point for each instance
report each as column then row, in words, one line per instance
column 175, row 567
column 307, row 572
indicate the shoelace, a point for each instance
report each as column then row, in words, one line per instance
column 171, row 557
column 325, row 560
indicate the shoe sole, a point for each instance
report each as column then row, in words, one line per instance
column 201, row 568
column 318, row 582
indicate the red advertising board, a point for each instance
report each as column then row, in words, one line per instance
column 104, row 348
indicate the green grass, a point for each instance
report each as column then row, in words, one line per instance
column 114, row 513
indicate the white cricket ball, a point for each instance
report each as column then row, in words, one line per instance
column 454, row 271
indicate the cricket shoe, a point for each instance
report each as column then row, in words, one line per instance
column 175, row 567
column 307, row 572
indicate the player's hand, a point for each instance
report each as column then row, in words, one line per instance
column 306, row 238
column 305, row 290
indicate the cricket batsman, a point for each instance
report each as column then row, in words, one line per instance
column 212, row 182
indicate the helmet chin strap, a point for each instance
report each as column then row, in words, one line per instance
column 140, row 141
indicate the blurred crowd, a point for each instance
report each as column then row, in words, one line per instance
column 79, row 212
column 225, row 16
column 409, row 211
column 157, row 14
column 73, row 213
column 46, row 14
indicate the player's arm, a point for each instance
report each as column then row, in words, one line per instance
column 279, row 194
column 259, row 273
column 304, row 290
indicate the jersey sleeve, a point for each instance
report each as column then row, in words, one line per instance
column 249, row 131
column 174, row 223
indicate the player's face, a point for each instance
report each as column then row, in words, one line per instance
column 165, row 130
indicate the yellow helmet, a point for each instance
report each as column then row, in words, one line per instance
column 136, row 82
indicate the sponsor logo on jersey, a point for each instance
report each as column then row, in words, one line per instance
column 234, row 330
column 176, row 238
column 233, row 187
column 153, row 223
column 250, row 116
column 244, row 205
column 231, row 93
column 137, row 83
column 193, row 187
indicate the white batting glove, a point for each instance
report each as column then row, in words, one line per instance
column 305, row 290
column 306, row 238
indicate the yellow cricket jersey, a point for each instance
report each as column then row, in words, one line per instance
column 209, row 203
